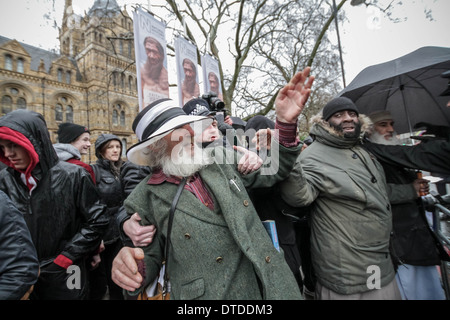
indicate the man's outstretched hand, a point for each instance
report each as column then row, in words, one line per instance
column 292, row 97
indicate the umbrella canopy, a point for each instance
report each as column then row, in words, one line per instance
column 409, row 87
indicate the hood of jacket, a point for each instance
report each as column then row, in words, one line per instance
column 33, row 126
column 101, row 140
column 66, row 151
column 322, row 131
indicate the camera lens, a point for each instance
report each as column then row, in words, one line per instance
column 217, row 104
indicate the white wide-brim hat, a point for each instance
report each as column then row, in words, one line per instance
column 156, row 121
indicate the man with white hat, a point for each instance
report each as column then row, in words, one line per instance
column 218, row 246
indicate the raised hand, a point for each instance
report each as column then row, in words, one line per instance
column 292, row 97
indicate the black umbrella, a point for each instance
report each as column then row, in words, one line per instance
column 409, row 87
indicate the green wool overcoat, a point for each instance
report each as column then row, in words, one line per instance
column 222, row 254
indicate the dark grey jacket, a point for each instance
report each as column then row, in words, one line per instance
column 351, row 212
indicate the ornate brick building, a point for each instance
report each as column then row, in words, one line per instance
column 91, row 82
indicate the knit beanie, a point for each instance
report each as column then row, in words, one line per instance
column 338, row 104
column 69, row 132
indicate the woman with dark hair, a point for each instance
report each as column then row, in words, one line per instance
column 115, row 178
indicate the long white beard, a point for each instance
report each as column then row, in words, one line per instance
column 182, row 164
column 380, row 139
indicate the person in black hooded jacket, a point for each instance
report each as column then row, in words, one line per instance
column 59, row 202
column 115, row 179
column 270, row 206
column 19, row 266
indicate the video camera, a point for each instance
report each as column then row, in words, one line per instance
column 215, row 104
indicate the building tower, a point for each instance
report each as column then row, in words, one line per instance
column 91, row 82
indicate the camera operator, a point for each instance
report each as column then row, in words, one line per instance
column 211, row 106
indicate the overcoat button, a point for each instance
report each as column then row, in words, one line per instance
column 267, row 259
column 246, row 203
column 219, row 259
column 187, row 236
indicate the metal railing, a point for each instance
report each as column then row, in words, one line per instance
column 440, row 205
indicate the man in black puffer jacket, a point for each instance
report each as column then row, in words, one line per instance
column 58, row 200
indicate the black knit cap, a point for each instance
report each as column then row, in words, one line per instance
column 68, row 132
column 336, row 105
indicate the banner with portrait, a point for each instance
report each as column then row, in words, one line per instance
column 187, row 75
column 151, row 58
column 211, row 82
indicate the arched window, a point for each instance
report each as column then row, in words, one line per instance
column 114, row 117
column 122, row 118
column 58, row 112
column 60, row 75
column 12, row 97
column 69, row 114
column 68, row 77
column 6, row 104
column 21, row 103
column 130, row 83
column 114, row 79
column 8, row 62
column 64, row 110
column 118, row 115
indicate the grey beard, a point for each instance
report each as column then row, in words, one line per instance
column 378, row 138
column 183, row 165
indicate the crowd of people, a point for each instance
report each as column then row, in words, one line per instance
column 190, row 200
